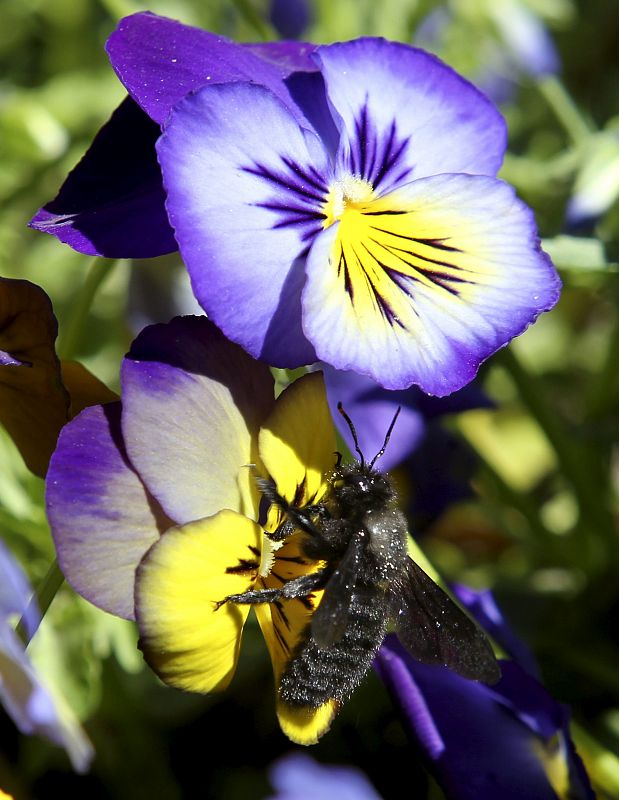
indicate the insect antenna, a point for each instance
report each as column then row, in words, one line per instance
column 340, row 408
column 387, row 437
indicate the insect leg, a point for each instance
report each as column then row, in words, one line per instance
column 297, row 516
column 297, row 587
column 251, row 596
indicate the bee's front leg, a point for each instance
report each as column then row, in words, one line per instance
column 297, row 587
column 298, row 517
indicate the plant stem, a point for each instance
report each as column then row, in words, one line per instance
column 602, row 392
column 564, row 108
column 69, row 338
column 581, row 472
column 119, row 8
column 41, row 601
column 253, row 18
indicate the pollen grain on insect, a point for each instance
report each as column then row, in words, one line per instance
column 267, row 556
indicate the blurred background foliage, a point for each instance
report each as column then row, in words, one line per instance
column 541, row 524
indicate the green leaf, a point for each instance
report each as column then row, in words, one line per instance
column 578, row 254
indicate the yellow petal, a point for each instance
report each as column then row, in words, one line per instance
column 283, row 624
column 306, row 725
column 189, row 642
column 297, row 447
column 297, row 443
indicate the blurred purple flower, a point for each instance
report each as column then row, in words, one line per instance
column 596, row 187
column 290, row 17
column 439, row 471
column 297, row 777
column 23, row 695
column 508, row 741
column 372, row 408
column 519, row 44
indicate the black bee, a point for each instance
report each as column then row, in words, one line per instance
column 370, row 584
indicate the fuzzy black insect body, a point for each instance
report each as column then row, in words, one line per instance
column 370, row 584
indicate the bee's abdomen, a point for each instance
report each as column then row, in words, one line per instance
column 315, row 675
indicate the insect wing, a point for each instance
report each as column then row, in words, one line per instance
column 436, row 631
column 331, row 617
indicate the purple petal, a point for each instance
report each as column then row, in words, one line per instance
column 7, row 360
column 102, row 518
column 288, row 56
column 15, row 592
column 112, row 203
column 493, row 736
column 406, row 115
column 440, row 471
column 396, row 675
column 192, row 406
column 32, row 708
column 245, row 192
column 292, row 776
column 160, row 61
column 290, row 17
column 528, row 41
column 372, row 409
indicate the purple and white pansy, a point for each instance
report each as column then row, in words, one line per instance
column 336, row 202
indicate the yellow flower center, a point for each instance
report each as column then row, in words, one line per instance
column 346, row 193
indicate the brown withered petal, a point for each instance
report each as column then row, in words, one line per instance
column 34, row 401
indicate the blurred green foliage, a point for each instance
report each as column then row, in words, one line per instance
column 542, row 529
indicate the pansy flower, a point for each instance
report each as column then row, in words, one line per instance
column 156, row 515
column 337, row 203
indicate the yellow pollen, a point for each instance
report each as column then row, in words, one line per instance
column 267, row 557
column 346, row 192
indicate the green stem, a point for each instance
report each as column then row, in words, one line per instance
column 602, row 764
column 601, row 397
column 41, row 600
column 70, row 336
column 580, row 471
column 254, row 19
column 564, row 108
column 118, row 8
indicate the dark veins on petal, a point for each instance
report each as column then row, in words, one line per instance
column 411, row 255
column 381, row 304
column 306, row 193
column 243, row 566
column 377, row 156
